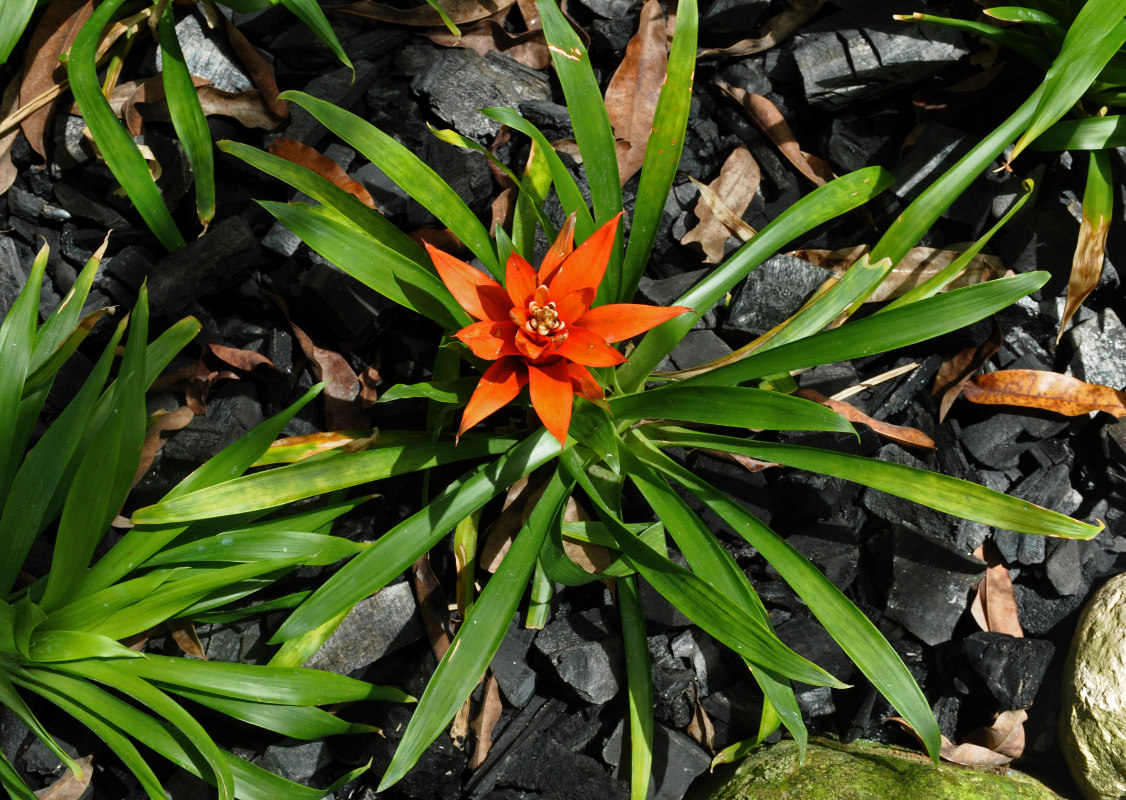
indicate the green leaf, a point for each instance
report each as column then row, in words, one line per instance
column 248, row 545
column 1093, row 38
column 187, row 116
column 1092, row 133
column 456, row 392
column 729, row 405
column 822, row 204
column 380, row 268
column 478, row 638
column 882, row 332
column 114, row 142
column 295, row 721
column 11, row 700
column 1016, row 40
column 639, row 683
column 934, row 490
column 327, row 193
column 276, row 487
column 408, row 171
column 529, row 203
column 853, row 631
column 12, row 23
column 11, row 781
column 401, row 546
column 52, row 646
column 1030, row 16
column 662, row 151
column 309, row 12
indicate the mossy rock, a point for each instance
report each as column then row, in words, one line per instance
column 868, row 771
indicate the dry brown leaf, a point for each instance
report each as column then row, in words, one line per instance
column 1086, row 265
column 461, row 12
column 725, row 202
column 996, row 745
column 746, row 462
column 369, row 382
column 342, row 385
column 499, row 535
column 69, row 787
column 238, row 358
column 994, row 606
column 836, row 261
column 1047, row 391
column 162, row 421
column 8, row 104
column 631, row 97
column 502, row 208
column 488, row 35
column 767, row 116
column 433, row 605
column 260, row 71
column 184, row 635
column 701, row 728
column 139, row 101
column 485, row 721
column 957, row 370
column 777, row 29
column 42, row 69
column 897, row 433
column 459, row 728
column 308, row 157
column 530, row 11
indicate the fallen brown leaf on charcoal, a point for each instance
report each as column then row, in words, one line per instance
column 258, row 69
column 1090, row 251
column 631, row 96
column 994, row 606
column 728, row 197
column 767, row 116
column 369, row 382
column 996, row 745
column 701, row 728
column 137, row 102
column 8, row 104
column 588, row 556
column 485, row 721
column 513, row 513
column 433, row 605
column 916, row 267
column 896, row 433
column 184, row 635
column 308, row 157
column 42, row 70
column 489, row 36
column 957, row 370
column 502, row 207
column 1047, row 391
column 776, row 30
column 196, row 379
column 162, row 421
column 460, row 11
column 69, row 787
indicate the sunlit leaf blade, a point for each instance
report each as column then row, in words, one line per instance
column 384, row 270
column 326, row 192
column 52, row 646
column 882, row 332
column 729, row 405
column 12, row 23
column 534, row 186
column 478, row 638
column 114, row 142
column 187, row 116
column 1029, row 16
column 309, row 12
column 593, row 133
column 822, row 204
column 1092, row 133
column 1095, row 35
column 853, row 631
column 57, row 333
column 397, row 549
column 298, row 722
column 243, row 546
column 662, row 153
column 456, row 391
column 408, row 171
column 934, row 490
column 639, row 683
column 276, row 487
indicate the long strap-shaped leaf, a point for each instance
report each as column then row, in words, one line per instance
column 309, row 12
column 479, row 637
column 408, row 171
column 822, row 204
column 10, row 699
column 12, row 24
column 114, row 142
column 401, row 546
column 639, row 683
column 853, row 631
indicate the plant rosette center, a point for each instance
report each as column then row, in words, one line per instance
column 539, row 328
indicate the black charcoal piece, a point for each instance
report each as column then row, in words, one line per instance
column 585, row 653
column 708, row 660
column 25, row 204
column 930, row 586
column 832, row 549
column 15, row 264
column 340, row 87
column 657, row 609
column 1011, row 667
column 698, row 347
column 1040, row 609
column 771, row 294
column 611, row 9
column 206, row 57
column 666, row 291
column 1064, row 567
column 853, row 143
column 130, row 265
column 993, row 442
column 516, row 679
column 829, row 378
column 1049, row 487
column 677, row 761
column 378, row 625
column 221, row 257
column 844, row 59
column 725, row 18
column 674, row 683
column 81, row 205
column 808, row 638
column 1099, row 350
column 297, row 761
column 458, row 83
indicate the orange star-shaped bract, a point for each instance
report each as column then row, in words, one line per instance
column 539, row 328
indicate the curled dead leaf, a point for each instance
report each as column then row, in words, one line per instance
column 310, row 158
column 722, row 204
column 957, row 370
column 994, row 606
column 42, row 69
column 528, row 48
column 896, row 433
column 162, row 421
column 485, row 721
column 1047, row 391
column 69, row 787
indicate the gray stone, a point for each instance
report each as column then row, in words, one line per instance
column 1093, row 717
column 458, row 83
column 585, row 654
column 771, row 294
column 297, row 761
column 205, row 57
column 1099, row 347
column 516, row 679
column 866, row 771
column 696, row 348
column 1049, row 487
column 377, row 625
column 72, row 145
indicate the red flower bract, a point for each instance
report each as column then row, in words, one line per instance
column 540, row 329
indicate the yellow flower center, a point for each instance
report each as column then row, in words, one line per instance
column 543, row 319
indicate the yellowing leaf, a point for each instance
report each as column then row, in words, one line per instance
column 1048, row 391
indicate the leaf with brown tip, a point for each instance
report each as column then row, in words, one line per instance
column 1090, row 248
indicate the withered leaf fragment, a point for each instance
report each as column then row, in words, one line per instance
column 310, row 158
column 726, row 200
column 1048, row 391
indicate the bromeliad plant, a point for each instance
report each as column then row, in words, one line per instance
column 61, row 632
column 607, row 428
